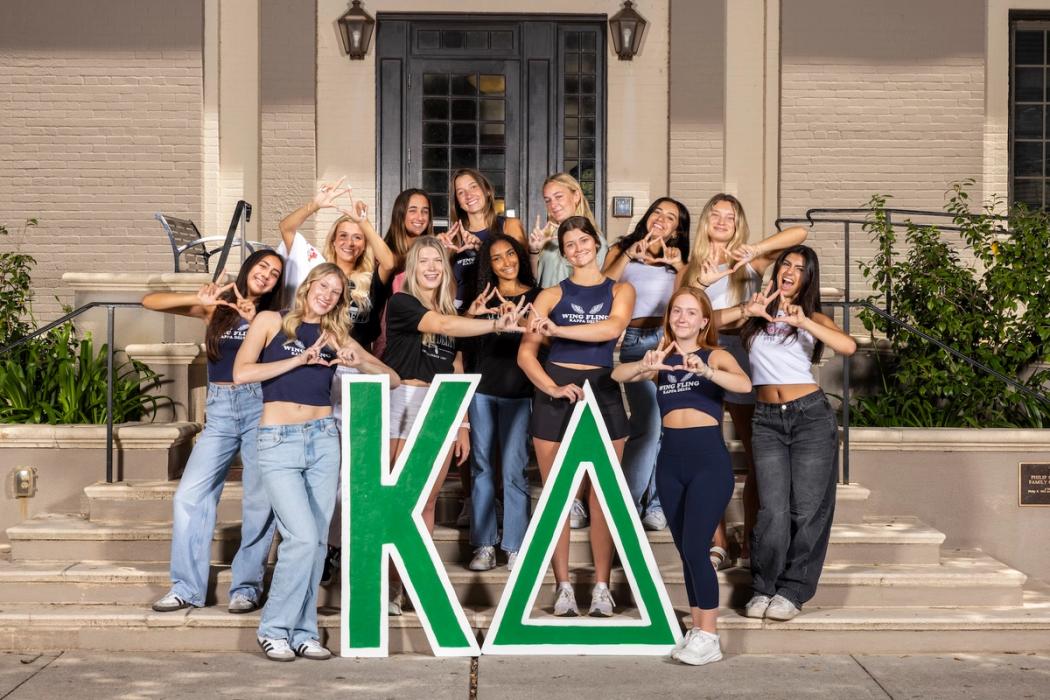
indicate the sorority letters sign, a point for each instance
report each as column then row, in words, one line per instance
column 382, row 516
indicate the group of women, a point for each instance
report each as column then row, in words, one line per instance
column 537, row 315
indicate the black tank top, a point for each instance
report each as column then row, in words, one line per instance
column 310, row 384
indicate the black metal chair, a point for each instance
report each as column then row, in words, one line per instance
column 190, row 249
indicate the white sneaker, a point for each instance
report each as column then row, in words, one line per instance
column 702, row 648
column 170, row 603
column 601, row 601
column 397, row 599
column 781, row 609
column 276, row 649
column 484, row 559
column 240, row 604
column 578, row 515
column 463, row 519
column 654, row 520
column 512, row 559
column 565, row 602
column 312, row 649
column 683, row 641
column 756, row 607
column 718, row 556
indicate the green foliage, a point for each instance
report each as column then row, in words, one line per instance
column 994, row 307
column 58, row 377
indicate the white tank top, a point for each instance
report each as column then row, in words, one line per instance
column 779, row 358
column 653, row 285
column 719, row 293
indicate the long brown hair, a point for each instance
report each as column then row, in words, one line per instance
column 397, row 236
column 223, row 318
column 708, row 336
column 458, row 213
column 336, row 323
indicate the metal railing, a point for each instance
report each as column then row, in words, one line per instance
column 847, row 217
column 111, row 307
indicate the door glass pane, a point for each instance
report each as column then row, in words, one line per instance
column 493, row 110
column 435, row 132
column 1028, row 158
column 1028, row 48
column 493, row 84
column 464, row 109
column 464, row 158
column 579, row 109
column 492, row 134
column 1029, row 191
column 435, row 158
column 1028, row 84
column 1028, row 122
column 465, row 133
column 435, row 108
column 435, row 84
column 464, row 85
column 435, row 180
column 492, row 160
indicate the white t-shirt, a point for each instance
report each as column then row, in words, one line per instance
column 298, row 262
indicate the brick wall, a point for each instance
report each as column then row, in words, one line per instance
column 883, row 97
column 101, row 111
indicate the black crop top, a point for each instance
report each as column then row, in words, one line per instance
column 682, row 389
column 309, row 384
column 580, row 305
column 229, row 343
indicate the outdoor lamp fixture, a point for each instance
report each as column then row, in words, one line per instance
column 355, row 29
column 627, row 27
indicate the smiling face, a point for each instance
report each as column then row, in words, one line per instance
column 504, row 261
column 579, row 247
column 721, row 222
column 348, row 242
column 417, row 216
column 663, row 221
column 264, row 275
column 324, row 294
column 561, row 201
column 469, row 195
column 791, row 275
column 686, row 318
column 430, row 269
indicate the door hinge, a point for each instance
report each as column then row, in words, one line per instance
column 409, row 154
column 409, row 80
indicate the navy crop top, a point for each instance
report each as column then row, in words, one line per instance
column 465, row 268
column 229, row 344
column 309, row 384
column 580, row 305
column 682, row 389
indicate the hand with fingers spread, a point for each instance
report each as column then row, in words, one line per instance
column 711, row 272
column 347, row 357
column 640, row 250
column 756, row 305
column 694, row 364
column 470, row 241
column 539, row 236
column 744, row 254
column 327, row 193
column 571, row 392
column 357, row 211
column 655, row 360
column 480, row 304
column 509, row 320
column 208, row 294
column 541, row 325
column 244, row 307
column 666, row 255
column 312, row 354
column 793, row 315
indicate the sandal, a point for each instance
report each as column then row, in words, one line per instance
column 718, row 557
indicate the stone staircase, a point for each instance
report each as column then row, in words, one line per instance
column 86, row 580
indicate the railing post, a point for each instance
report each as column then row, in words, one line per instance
column 109, row 393
column 846, row 313
column 889, row 287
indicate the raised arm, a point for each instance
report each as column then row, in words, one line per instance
column 358, row 213
column 764, row 253
column 199, row 305
column 820, row 327
column 322, row 200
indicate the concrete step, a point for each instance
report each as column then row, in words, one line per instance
column 962, row 578
column 872, row 630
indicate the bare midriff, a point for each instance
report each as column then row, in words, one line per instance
column 289, row 413
column 688, row 418
column 782, row 393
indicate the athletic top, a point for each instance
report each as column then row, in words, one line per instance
column 310, row 384
column 580, row 305
column 465, row 267
column 682, row 389
column 653, row 286
column 496, row 358
column 720, row 292
column 778, row 358
column 406, row 353
column 229, row 343
column 552, row 267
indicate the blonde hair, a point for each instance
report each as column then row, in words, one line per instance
column 361, row 278
column 583, row 208
column 443, row 300
column 708, row 336
column 336, row 323
column 738, row 281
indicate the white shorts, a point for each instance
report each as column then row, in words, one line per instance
column 405, row 402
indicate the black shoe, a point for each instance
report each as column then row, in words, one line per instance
column 331, row 564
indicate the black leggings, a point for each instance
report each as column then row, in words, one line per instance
column 694, row 477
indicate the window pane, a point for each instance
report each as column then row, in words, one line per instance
column 439, row 203
column 435, row 158
column 464, row 157
column 587, row 170
column 435, row 132
column 572, row 84
column 587, row 41
column 435, row 181
column 1028, row 158
column 587, row 84
column 589, row 63
column 435, row 84
column 493, row 85
column 493, row 110
column 1030, row 192
column 1028, row 48
column 497, row 179
column 1028, row 84
column 502, row 40
column 477, row 40
column 572, row 106
column 492, row 160
column 464, row 109
column 587, row 148
column 463, row 134
column 452, row 39
column 435, row 108
column 589, row 127
column 428, row 39
column 587, row 106
column 464, row 85
column 572, row 127
column 1028, row 122
column 572, row 63
column 492, row 134
column 572, row 148
column 572, row 41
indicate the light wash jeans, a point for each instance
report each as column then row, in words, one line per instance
column 495, row 420
column 232, row 418
column 643, row 441
column 300, row 471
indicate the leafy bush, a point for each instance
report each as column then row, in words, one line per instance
column 994, row 308
column 58, row 377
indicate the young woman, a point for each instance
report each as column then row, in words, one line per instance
column 472, row 219
column 232, row 418
column 649, row 258
column 499, row 413
column 694, row 474
column 729, row 270
column 794, row 434
column 564, row 198
column 582, row 317
column 294, row 357
column 421, row 328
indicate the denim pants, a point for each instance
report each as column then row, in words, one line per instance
column 495, row 420
column 300, row 470
column 232, row 418
column 796, row 465
column 643, row 441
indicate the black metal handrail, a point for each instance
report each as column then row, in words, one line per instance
column 110, row 307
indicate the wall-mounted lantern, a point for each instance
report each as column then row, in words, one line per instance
column 355, row 29
column 626, row 27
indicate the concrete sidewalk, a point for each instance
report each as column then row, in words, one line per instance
column 83, row 676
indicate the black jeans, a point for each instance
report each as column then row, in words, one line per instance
column 796, row 464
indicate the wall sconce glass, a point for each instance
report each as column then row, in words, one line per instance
column 627, row 27
column 355, row 29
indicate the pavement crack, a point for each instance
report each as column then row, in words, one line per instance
column 34, row 674
column 872, row 677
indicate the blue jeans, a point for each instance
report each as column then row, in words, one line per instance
column 232, row 418
column 495, row 419
column 643, row 441
column 300, row 470
column 796, row 466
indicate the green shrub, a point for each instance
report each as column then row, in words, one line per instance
column 994, row 307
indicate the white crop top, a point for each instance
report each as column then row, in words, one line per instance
column 779, row 358
column 719, row 292
column 653, row 285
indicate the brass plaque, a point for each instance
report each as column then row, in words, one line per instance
column 1034, row 482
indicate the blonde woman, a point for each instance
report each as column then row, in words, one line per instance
column 294, row 357
column 729, row 269
column 564, row 198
